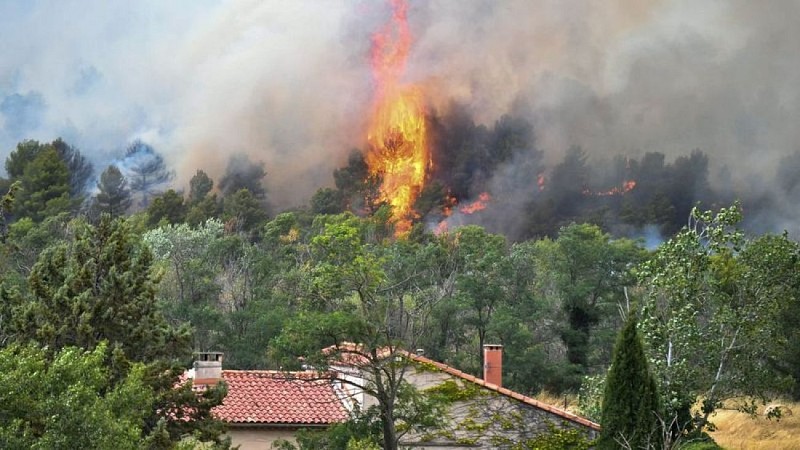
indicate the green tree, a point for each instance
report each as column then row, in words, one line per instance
column 45, row 187
column 199, row 187
column 327, row 201
column 70, row 401
column 188, row 289
column 113, row 196
column 364, row 310
column 243, row 210
column 99, row 286
column 80, row 169
column 631, row 411
column 6, row 204
column 481, row 283
column 168, row 207
column 711, row 314
column 591, row 272
column 77, row 170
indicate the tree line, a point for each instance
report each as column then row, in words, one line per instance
column 128, row 296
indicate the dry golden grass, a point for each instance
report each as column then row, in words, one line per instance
column 739, row 431
column 567, row 402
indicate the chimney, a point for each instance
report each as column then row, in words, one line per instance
column 207, row 368
column 493, row 364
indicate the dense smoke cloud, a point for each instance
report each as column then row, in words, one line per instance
column 288, row 83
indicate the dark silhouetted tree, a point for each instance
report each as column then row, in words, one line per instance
column 146, row 169
column 80, row 169
column 199, row 187
column 114, row 196
column 242, row 173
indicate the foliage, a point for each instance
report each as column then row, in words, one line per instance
column 364, row 307
column 590, row 397
column 80, row 169
column 96, row 287
column 70, row 401
column 45, row 189
column 243, row 210
column 167, row 207
column 199, row 187
column 188, row 289
column 6, row 204
column 631, row 405
column 710, row 314
column 557, row 438
column 114, row 195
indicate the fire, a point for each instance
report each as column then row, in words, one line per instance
column 397, row 138
column 626, row 187
column 477, row 205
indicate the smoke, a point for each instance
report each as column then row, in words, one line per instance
column 288, row 83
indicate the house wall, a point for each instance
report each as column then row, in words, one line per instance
column 486, row 419
column 258, row 438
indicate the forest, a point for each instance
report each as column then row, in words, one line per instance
column 118, row 277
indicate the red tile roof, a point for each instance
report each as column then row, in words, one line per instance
column 507, row 392
column 275, row 397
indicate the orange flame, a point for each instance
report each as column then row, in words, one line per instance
column 397, row 137
column 626, row 187
column 477, row 205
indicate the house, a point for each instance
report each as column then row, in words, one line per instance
column 264, row 406
column 481, row 413
column 485, row 414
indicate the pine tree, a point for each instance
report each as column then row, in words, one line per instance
column 147, row 170
column 100, row 286
column 114, row 196
column 45, row 187
column 631, row 405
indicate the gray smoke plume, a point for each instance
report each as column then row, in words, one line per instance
column 288, row 83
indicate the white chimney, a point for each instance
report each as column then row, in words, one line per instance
column 207, row 367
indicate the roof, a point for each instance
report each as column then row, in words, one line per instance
column 507, row 392
column 355, row 355
column 270, row 397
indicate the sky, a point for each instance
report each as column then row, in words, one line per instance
column 288, row 82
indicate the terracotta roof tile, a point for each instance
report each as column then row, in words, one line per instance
column 274, row 397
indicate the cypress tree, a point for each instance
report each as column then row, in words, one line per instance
column 631, row 404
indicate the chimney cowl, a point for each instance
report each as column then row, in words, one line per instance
column 207, row 367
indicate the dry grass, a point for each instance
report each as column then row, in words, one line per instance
column 568, row 402
column 735, row 430
column 739, row 431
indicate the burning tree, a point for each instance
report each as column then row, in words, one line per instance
column 397, row 137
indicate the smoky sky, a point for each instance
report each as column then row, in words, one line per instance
column 288, row 83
